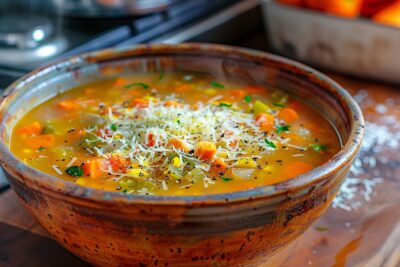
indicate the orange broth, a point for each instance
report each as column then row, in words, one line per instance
column 173, row 134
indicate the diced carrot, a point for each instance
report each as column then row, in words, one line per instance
column 296, row 168
column 266, row 121
column 264, row 117
column 120, row 81
column 178, row 144
column 255, row 89
column 139, row 103
column 288, row 115
column 32, row 128
column 237, row 93
column 68, row 105
column 118, row 164
column 150, row 140
column 389, row 16
column 233, row 142
column 267, row 126
column 218, row 166
column 205, row 150
column 182, row 88
column 171, row 103
column 94, row 167
column 43, row 140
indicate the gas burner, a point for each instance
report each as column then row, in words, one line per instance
column 27, row 41
column 24, row 33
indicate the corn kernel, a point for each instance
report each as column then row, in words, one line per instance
column 176, row 162
column 222, row 155
column 210, row 91
column 246, row 163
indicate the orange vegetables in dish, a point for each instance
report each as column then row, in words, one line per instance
column 174, row 134
column 353, row 8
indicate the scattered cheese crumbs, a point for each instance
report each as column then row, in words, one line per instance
column 57, row 169
column 71, row 162
column 381, row 139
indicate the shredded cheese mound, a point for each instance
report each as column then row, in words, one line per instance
column 142, row 135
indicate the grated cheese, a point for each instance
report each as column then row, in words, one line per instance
column 381, row 138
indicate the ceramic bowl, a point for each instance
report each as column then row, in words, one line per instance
column 236, row 229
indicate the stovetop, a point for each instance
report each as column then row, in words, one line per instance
column 29, row 42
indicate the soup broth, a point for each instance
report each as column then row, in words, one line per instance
column 173, row 134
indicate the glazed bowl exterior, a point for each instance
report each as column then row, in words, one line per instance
column 236, row 229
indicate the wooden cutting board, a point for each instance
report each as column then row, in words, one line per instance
column 366, row 236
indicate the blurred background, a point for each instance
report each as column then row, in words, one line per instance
column 344, row 35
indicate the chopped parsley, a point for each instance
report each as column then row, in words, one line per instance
column 226, row 179
column 247, row 98
column 217, row 85
column 41, row 148
column 319, row 147
column 113, row 127
column 225, row 105
column 270, row 143
column 74, row 171
column 143, row 85
column 282, row 128
column 278, row 105
column 178, row 122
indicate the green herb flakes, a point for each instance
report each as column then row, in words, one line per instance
column 247, row 98
column 113, row 127
column 74, row 171
column 280, row 105
column 217, row 85
column 226, row 179
column 319, row 147
column 282, row 128
column 41, row 148
column 225, row 105
column 270, row 143
column 143, row 85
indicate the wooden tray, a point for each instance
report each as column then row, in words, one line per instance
column 367, row 236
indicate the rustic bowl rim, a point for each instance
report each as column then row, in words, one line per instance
column 57, row 185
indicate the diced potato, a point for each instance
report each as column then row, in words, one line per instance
column 176, row 162
column 260, row 107
column 210, row 91
column 246, row 163
column 205, row 150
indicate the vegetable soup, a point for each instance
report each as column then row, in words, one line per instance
column 173, row 134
